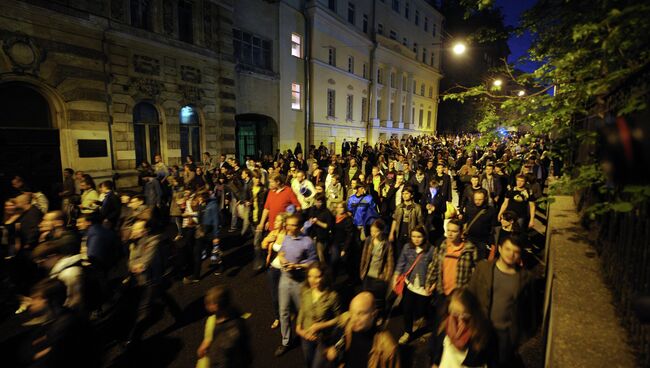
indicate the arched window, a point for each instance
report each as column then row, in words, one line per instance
column 146, row 131
column 23, row 107
column 190, row 133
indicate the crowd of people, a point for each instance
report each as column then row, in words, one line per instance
column 382, row 220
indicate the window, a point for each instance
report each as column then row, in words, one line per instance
column 433, row 58
column 350, row 64
column 365, row 23
column 417, row 18
column 393, row 35
column 364, row 109
column 365, row 70
column 396, row 5
column 252, row 50
column 296, row 45
column 430, row 92
column 421, row 118
column 401, row 113
column 392, row 80
column 414, row 84
column 404, row 84
column 422, row 87
column 406, row 10
column 295, row 96
column 428, row 119
column 380, row 28
column 351, row 12
column 380, row 76
column 146, row 132
column 190, row 132
column 412, row 115
column 415, row 49
column 331, row 56
column 331, row 95
column 424, row 55
column 332, row 5
column 405, row 41
column 392, row 109
column 433, row 29
column 349, row 107
column 141, row 14
column 426, row 24
column 378, row 109
column 185, row 22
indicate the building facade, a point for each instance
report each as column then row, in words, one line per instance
column 102, row 85
column 338, row 69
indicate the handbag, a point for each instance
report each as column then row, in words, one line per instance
column 401, row 279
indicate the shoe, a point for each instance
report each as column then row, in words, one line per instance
column 281, row 350
column 275, row 324
column 187, row 281
column 405, row 339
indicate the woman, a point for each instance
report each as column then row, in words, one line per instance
column 391, row 172
column 415, row 257
column 343, row 243
column 464, row 338
column 201, row 180
column 377, row 263
column 257, row 193
column 319, row 312
column 272, row 243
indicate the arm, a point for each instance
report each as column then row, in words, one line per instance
column 265, row 215
column 531, row 206
column 503, row 209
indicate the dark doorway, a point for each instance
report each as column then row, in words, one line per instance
column 256, row 136
column 29, row 146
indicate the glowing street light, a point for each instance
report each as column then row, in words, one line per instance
column 497, row 82
column 521, row 93
column 459, row 48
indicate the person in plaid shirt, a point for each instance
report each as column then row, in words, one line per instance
column 452, row 264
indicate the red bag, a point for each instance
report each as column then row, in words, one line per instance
column 401, row 279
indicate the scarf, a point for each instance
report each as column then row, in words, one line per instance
column 340, row 218
column 458, row 332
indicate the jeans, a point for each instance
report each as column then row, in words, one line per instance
column 314, row 353
column 238, row 210
column 288, row 293
column 414, row 307
column 273, row 275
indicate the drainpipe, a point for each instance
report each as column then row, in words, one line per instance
column 109, row 100
column 307, row 71
column 371, row 73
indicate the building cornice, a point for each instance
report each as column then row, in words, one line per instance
column 339, row 70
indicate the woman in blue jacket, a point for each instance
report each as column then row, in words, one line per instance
column 415, row 295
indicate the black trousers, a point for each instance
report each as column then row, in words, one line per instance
column 414, row 307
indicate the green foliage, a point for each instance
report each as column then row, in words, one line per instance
column 591, row 50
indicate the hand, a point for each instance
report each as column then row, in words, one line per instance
column 137, row 268
column 391, row 237
column 331, row 354
column 260, row 227
column 203, row 349
column 531, row 224
column 431, row 289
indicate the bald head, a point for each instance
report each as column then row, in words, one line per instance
column 362, row 311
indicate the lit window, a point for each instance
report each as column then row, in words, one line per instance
column 296, row 45
column 295, row 96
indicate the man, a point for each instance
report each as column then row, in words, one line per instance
column 407, row 171
column 68, row 192
column 467, row 199
column 55, row 235
column 301, row 163
column 345, row 148
column 520, row 201
column 111, row 206
column 452, row 264
column 97, row 242
column 363, row 210
column 479, row 221
column 492, row 184
column 206, row 162
column 152, row 191
column 277, row 201
column 363, row 343
column 27, row 223
column 444, row 181
column 505, row 293
column 321, row 220
column 419, row 183
column 296, row 254
column 434, row 204
column 393, row 196
column 351, row 172
column 331, row 170
column 160, row 169
column 465, row 174
column 407, row 216
column 303, row 189
column 242, row 201
column 146, row 267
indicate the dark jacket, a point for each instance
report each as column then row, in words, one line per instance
column 29, row 231
column 481, row 228
column 387, row 257
column 323, row 215
column 343, row 234
column 525, row 320
column 261, row 200
column 231, row 345
column 475, row 358
column 111, row 207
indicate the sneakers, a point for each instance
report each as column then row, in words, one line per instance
column 405, row 339
column 281, row 350
column 188, row 280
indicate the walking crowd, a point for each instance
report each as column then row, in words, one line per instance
column 381, row 220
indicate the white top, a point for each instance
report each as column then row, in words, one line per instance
column 276, row 261
column 452, row 357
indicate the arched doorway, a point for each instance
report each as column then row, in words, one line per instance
column 146, row 132
column 29, row 142
column 256, row 135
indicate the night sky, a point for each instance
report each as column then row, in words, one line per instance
column 512, row 9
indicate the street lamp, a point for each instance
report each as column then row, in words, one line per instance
column 521, row 93
column 459, row 48
column 497, row 82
